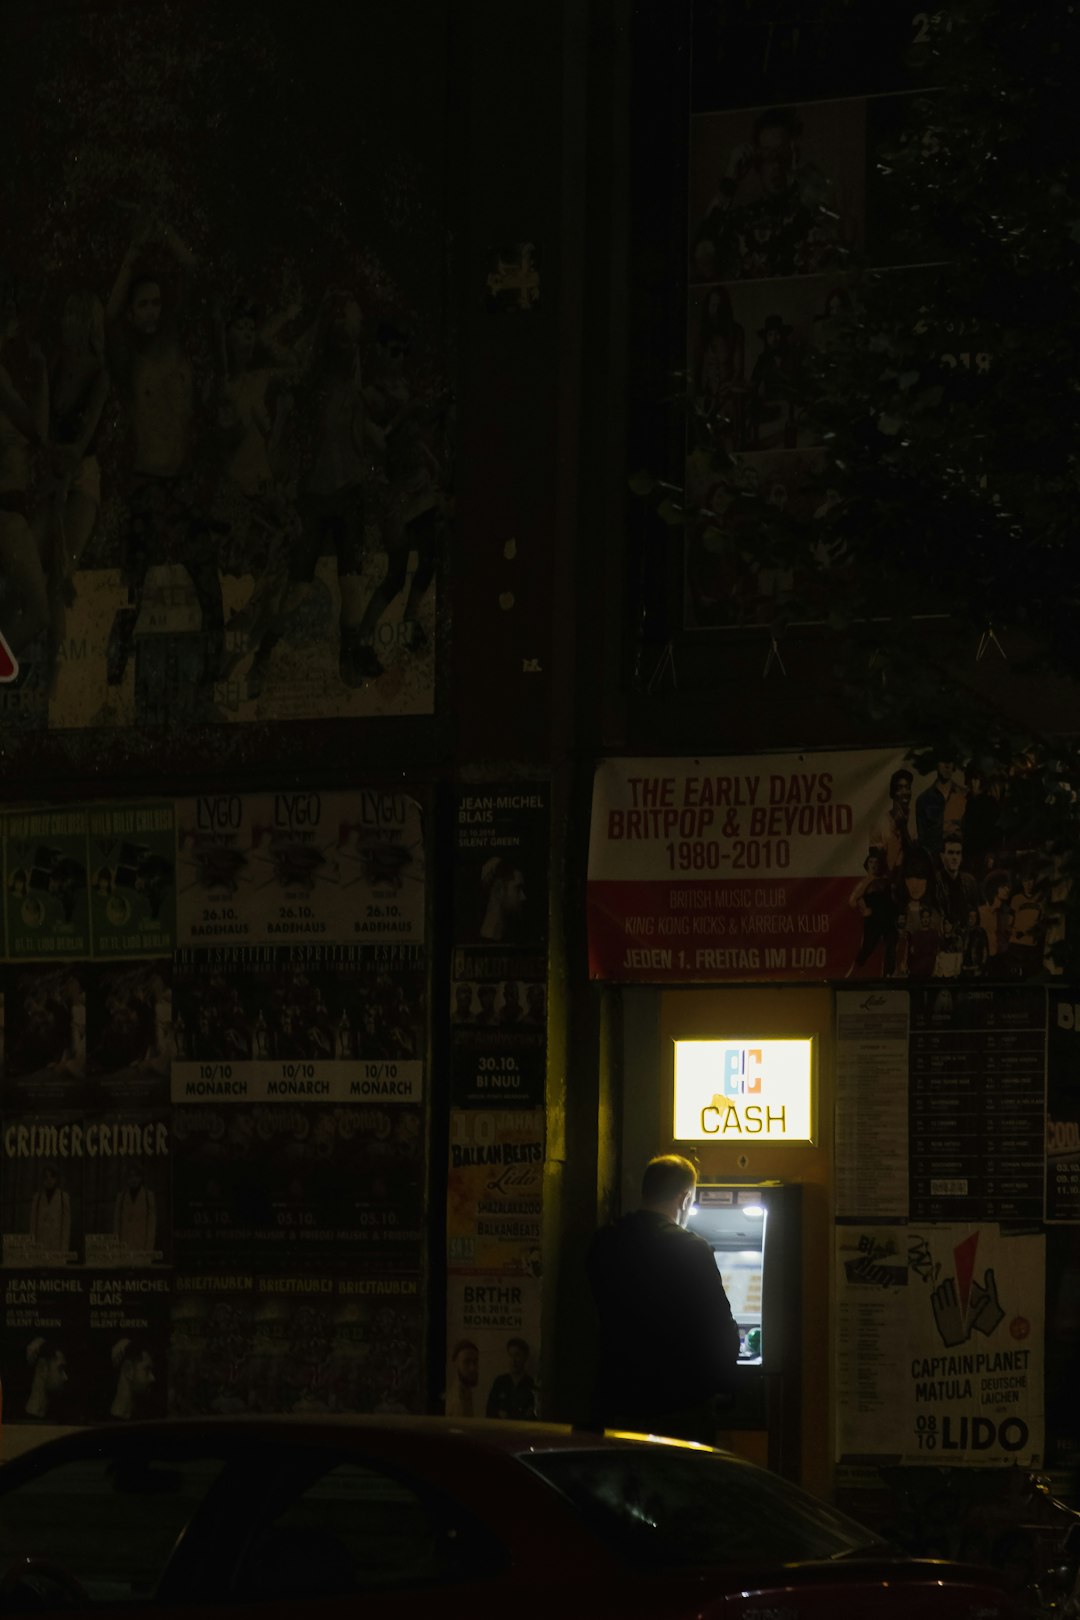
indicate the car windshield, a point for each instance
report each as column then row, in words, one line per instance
column 663, row 1506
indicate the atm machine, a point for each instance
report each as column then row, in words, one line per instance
column 754, row 1231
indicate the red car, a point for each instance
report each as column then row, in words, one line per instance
column 397, row 1518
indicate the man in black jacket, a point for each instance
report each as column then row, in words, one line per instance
column 668, row 1342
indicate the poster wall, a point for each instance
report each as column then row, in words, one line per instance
column 940, row 1103
column 238, row 508
column 939, row 1344
column 212, row 1146
column 789, row 867
column 304, row 1343
column 495, row 1173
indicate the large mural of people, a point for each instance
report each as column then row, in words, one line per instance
column 225, row 429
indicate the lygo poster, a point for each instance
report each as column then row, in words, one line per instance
column 301, row 867
column 939, row 1344
column 811, row 867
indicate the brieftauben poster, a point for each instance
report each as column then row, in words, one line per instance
column 939, row 1344
column 811, row 867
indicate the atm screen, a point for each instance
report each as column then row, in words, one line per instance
column 735, row 1230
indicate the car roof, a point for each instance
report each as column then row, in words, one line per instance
column 495, row 1434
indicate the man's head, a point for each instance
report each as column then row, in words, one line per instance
column 486, row 992
column 391, row 346
column 668, row 1186
column 997, row 888
column 144, row 305
column 775, row 332
column 48, row 1364
column 242, row 330
column 465, row 1360
column 952, row 853
column 142, row 1372
column 56, row 1372
column 945, row 770
column 776, row 140
column 462, row 1000
column 134, row 1176
column 505, row 883
column 900, row 788
column 50, row 1178
column 83, row 322
column 518, row 1352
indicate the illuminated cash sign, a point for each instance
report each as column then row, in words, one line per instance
column 744, row 1090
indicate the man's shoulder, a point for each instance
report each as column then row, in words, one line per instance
column 689, row 1245
column 638, row 1226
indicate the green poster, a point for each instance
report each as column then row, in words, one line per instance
column 133, row 879
column 45, row 884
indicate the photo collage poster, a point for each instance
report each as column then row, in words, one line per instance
column 213, row 1039
column 787, row 199
column 243, row 494
column 498, row 1033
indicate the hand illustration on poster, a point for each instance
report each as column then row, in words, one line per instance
column 961, row 1304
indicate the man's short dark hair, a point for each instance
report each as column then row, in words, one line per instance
column 517, row 1344
column 463, row 1344
column 896, row 778
column 785, row 118
column 953, row 838
column 667, row 1176
column 144, row 279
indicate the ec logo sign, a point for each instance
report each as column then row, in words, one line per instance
column 742, row 1070
column 731, row 1090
